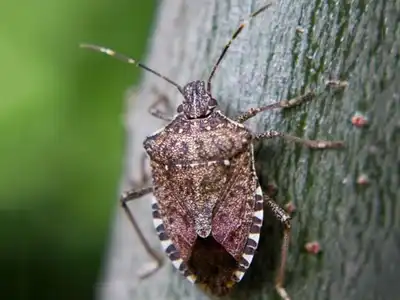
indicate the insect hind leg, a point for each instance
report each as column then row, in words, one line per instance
column 157, row 263
column 284, row 218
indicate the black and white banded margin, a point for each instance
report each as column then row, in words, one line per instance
column 168, row 246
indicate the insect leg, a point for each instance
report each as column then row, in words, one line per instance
column 144, row 176
column 314, row 144
column 159, row 114
column 284, row 218
column 336, row 84
column 161, row 99
column 132, row 195
column 281, row 104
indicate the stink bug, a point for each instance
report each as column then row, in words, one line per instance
column 208, row 206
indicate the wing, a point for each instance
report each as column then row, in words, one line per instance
column 233, row 217
column 176, row 223
column 169, row 246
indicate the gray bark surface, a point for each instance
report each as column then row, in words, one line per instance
column 357, row 226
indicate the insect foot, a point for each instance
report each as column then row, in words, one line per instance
column 150, row 268
column 337, row 84
column 207, row 205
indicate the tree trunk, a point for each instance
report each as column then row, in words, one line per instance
column 292, row 46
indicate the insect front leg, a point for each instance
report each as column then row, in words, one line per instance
column 314, row 144
column 161, row 99
column 284, row 218
column 281, row 104
column 133, row 195
column 289, row 103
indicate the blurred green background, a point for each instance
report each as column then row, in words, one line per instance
column 62, row 139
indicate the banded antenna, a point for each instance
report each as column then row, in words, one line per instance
column 234, row 36
column 129, row 60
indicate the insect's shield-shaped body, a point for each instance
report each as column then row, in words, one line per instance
column 208, row 205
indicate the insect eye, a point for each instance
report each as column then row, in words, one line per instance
column 180, row 108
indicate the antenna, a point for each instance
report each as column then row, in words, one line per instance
column 234, row 36
column 129, row 60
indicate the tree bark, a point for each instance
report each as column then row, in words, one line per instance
column 356, row 225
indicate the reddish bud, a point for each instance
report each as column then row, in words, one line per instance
column 359, row 120
column 313, row 247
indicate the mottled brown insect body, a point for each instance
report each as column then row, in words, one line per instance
column 207, row 197
column 208, row 204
